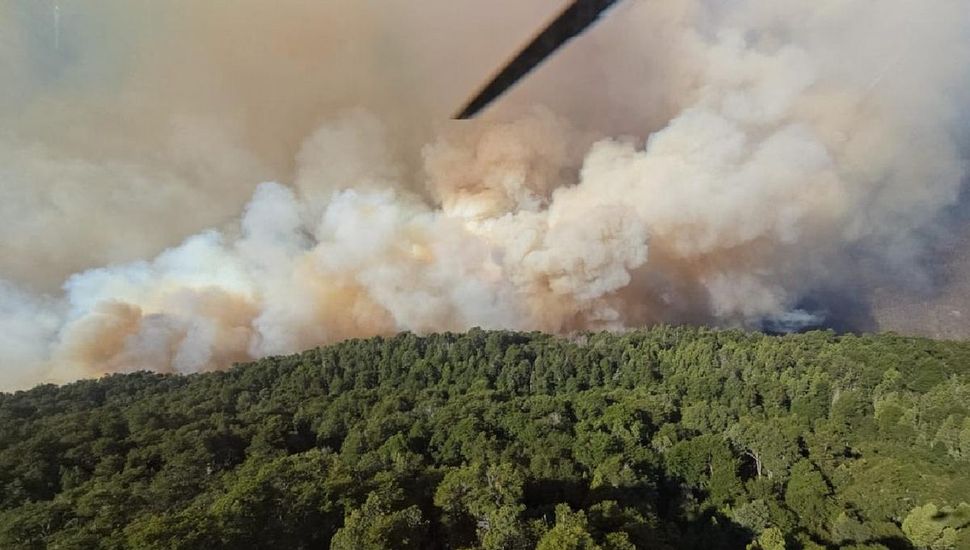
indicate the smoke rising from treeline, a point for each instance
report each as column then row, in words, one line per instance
column 686, row 161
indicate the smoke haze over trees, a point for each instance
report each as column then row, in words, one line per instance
column 725, row 163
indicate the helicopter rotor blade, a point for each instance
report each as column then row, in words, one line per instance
column 576, row 18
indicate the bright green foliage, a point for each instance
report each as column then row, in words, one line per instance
column 486, row 497
column 569, row 533
column 755, row 516
column 932, row 528
column 770, row 539
column 668, row 438
column 707, row 461
column 378, row 524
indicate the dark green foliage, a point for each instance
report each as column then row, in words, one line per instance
column 664, row 438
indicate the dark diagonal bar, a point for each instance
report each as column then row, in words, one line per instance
column 575, row 19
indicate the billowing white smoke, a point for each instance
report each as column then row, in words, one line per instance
column 791, row 141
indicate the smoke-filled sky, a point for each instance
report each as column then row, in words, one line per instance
column 186, row 184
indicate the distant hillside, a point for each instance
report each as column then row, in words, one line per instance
column 942, row 311
column 667, row 438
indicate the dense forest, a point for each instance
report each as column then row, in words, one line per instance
column 665, row 438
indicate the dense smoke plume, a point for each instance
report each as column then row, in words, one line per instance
column 686, row 161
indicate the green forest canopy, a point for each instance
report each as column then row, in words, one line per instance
column 661, row 438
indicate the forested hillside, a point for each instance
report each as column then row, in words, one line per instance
column 665, row 438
